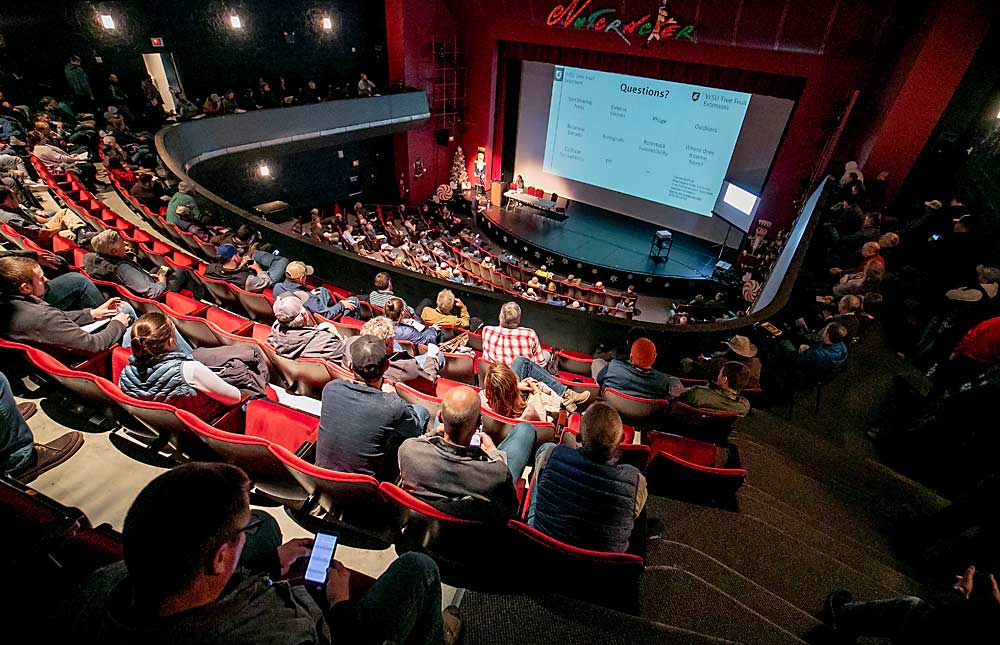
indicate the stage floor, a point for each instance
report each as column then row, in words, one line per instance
column 600, row 237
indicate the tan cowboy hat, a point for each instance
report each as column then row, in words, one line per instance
column 934, row 204
column 742, row 346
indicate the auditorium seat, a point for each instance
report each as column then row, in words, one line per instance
column 353, row 506
column 429, row 402
column 603, row 578
column 710, row 426
column 575, row 362
column 686, row 469
column 259, row 306
column 637, row 411
column 219, row 290
column 456, row 544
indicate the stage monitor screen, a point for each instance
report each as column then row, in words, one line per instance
column 666, row 142
column 737, row 206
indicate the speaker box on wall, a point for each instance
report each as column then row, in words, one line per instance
column 443, row 136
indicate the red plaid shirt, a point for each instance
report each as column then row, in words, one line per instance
column 502, row 345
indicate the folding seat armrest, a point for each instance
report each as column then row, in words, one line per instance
column 307, row 451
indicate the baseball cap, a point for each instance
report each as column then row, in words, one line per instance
column 368, row 356
column 287, row 308
column 298, row 270
column 226, row 252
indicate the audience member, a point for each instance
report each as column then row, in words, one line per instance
column 443, row 314
column 293, row 336
column 110, row 262
column 739, row 349
column 20, row 457
column 204, row 381
column 318, row 300
column 383, row 290
column 971, row 607
column 361, row 424
column 822, row 358
column 183, row 197
column 149, row 192
column 407, row 328
column 458, row 469
column 420, row 372
column 26, row 318
column 722, row 395
column 509, row 397
column 504, row 343
column 581, row 495
column 202, row 567
column 978, row 351
column 636, row 377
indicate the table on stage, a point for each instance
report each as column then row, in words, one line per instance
column 529, row 200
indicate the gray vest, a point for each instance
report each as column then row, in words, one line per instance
column 163, row 381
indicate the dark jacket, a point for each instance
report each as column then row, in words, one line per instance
column 585, row 503
column 236, row 277
column 252, row 610
column 307, row 342
column 636, row 381
column 361, row 428
column 124, row 272
column 466, row 482
column 31, row 320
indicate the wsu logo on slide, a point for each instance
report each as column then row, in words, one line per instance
column 695, row 96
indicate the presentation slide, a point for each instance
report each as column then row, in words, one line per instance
column 669, row 143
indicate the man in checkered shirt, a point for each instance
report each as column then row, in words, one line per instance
column 508, row 341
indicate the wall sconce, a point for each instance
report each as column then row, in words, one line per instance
column 264, row 170
column 235, row 22
column 107, row 21
column 327, row 23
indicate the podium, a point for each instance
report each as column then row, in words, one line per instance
column 496, row 192
column 659, row 248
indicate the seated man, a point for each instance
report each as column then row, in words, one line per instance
column 66, row 291
column 26, row 318
column 293, row 337
column 149, row 192
column 383, row 290
column 978, row 351
column 447, row 471
column 20, row 456
column 183, row 197
column 824, row 357
column 420, row 372
column 637, row 376
column 37, row 225
column 581, row 496
column 200, row 567
column 361, row 422
column 110, row 262
column 237, row 270
column 738, row 348
column 508, row 341
column 318, row 301
column 724, row 394
column 444, row 313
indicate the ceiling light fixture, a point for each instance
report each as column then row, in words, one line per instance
column 327, row 23
column 264, row 170
column 107, row 21
column 234, row 22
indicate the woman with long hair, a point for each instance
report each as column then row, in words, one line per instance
column 157, row 371
column 505, row 395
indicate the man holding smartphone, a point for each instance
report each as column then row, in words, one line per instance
column 199, row 568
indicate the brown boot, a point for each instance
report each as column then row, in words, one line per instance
column 572, row 398
column 49, row 455
column 27, row 409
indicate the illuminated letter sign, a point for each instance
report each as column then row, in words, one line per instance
column 578, row 14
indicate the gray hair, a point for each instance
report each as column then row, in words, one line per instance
column 510, row 315
column 379, row 327
column 104, row 241
column 186, row 187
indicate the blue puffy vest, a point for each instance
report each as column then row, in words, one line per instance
column 163, row 382
column 585, row 503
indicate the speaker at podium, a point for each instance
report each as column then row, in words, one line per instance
column 659, row 248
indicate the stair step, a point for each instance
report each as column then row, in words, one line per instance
column 748, row 592
column 686, row 600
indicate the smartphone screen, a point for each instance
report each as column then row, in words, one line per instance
column 322, row 555
column 477, row 439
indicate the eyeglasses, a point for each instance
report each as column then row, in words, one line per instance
column 250, row 528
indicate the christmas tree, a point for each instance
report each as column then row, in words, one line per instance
column 459, row 175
